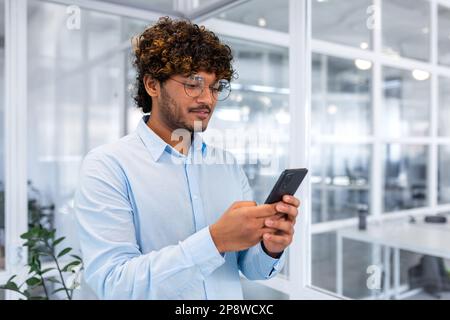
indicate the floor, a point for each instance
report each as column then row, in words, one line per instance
column 426, row 296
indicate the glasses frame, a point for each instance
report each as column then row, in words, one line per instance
column 186, row 89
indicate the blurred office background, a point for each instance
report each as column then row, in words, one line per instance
column 378, row 108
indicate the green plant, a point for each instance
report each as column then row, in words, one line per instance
column 41, row 242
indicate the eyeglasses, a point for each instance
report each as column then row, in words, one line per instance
column 195, row 85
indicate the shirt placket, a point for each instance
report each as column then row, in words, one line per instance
column 191, row 172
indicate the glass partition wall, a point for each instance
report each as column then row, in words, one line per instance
column 78, row 89
column 379, row 138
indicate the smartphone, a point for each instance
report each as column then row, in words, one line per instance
column 287, row 183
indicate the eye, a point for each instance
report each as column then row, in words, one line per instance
column 192, row 86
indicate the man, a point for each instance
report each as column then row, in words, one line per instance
column 153, row 223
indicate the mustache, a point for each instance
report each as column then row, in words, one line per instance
column 201, row 108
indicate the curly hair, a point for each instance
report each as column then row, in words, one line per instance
column 172, row 47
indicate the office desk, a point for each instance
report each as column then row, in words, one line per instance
column 419, row 237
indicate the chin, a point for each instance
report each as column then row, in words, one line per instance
column 199, row 126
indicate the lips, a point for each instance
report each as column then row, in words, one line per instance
column 201, row 113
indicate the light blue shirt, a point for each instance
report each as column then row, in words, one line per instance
column 143, row 212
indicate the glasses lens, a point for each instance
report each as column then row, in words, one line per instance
column 193, row 88
column 222, row 90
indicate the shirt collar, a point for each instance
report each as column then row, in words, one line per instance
column 157, row 146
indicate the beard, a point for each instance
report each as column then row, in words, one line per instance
column 172, row 115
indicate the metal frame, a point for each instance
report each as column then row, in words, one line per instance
column 112, row 8
column 149, row 13
column 16, row 200
column 299, row 104
column 213, row 9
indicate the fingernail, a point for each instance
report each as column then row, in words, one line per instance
column 282, row 207
column 269, row 223
column 267, row 236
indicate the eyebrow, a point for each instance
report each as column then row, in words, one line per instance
column 197, row 75
column 216, row 81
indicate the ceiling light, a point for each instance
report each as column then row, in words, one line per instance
column 364, row 45
column 266, row 101
column 262, row 22
column 245, row 110
column 363, row 64
column 283, row 117
column 425, row 30
column 420, row 75
column 332, row 109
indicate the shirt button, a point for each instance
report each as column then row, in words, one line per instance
column 195, row 197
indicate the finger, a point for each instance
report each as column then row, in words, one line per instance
column 290, row 210
column 267, row 230
column 284, row 216
column 283, row 240
column 291, row 200
column 281, row 225
column 241, row 204
column 279, row 216
column 262, row 211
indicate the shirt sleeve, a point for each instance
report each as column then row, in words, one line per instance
column 254, row 262
column 115, row 268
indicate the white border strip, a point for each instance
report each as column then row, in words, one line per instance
column 16, row 198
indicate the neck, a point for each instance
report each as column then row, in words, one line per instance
column 165, row 133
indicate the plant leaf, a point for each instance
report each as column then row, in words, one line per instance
column 11, row 286
column 52, row 233
column 58, row 241
column 76, row 257
column 72, row 264
column 26, row 235
column 33, row 281
column 65, row 251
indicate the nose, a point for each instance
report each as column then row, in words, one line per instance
column 206, row 97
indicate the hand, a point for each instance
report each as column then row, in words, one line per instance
column 241, row 226
column 282, row 225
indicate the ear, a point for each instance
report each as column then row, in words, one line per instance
column 152, row 86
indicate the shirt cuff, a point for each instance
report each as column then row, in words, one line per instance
column 269, row 263
column 202, row 251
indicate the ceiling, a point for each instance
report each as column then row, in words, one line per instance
column 183, row 8
column 404, row 23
